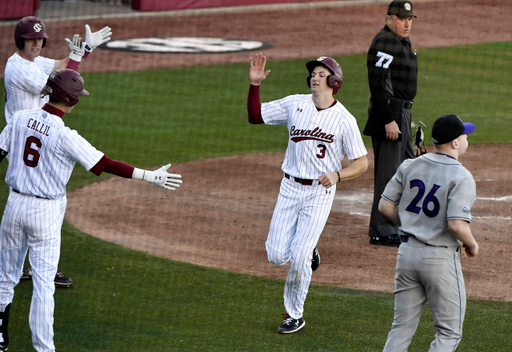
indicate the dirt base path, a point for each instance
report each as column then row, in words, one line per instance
column 222, row 221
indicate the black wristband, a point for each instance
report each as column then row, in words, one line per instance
column 339, row 178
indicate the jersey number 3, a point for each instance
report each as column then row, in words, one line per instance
column 430, row 198
column 30, row 155
column 321, row 151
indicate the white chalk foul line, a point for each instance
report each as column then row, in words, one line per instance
column 500, row 199
column 493, row 217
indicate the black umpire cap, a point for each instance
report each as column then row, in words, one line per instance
column 402, row 9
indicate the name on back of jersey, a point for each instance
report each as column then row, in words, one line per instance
column 38, row 126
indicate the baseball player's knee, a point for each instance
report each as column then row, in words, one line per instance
column 276, row 256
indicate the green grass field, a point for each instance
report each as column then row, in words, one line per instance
column 124, row 300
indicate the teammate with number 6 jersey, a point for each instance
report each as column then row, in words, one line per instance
column 43, row 153
column 321, row 131
column 430, row 198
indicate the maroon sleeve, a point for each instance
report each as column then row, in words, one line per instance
column 114, row 167
column 73, row 65
column 254, row 105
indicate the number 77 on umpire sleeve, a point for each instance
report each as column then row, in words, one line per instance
column 383, row 57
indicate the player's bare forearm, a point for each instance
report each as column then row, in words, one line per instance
column 61, row 64
column 461, row 230
column 356, row 168
column 389, row 210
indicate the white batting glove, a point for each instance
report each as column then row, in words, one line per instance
column 93, row 40
column 159, row 177
column 77, row 48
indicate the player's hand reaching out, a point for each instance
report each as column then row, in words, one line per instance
column 257, row 72
column 159, row 177
column 164, row 179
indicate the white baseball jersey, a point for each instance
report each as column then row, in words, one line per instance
column 43, row 152
column 318, row 140
column 24, row 80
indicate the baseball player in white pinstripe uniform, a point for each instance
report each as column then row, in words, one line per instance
column 26, row 73
column 431, row 198
column 321, row 132
column 43, row 153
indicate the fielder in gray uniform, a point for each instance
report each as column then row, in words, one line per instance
column 430, row 198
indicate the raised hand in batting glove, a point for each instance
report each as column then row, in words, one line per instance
column 77, row 48
column 159, row 177
column 93, row 40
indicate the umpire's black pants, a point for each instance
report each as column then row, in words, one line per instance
column 388, row 156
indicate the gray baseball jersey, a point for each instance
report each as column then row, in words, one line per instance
column 429, row 191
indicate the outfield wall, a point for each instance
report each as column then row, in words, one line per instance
column 10, row 9
column 165, row 5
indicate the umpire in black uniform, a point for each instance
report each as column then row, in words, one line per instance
column 392, row 76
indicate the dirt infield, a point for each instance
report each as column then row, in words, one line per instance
column 222, row 221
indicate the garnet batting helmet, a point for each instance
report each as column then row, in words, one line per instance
column 65, row 85
column 29, row 27
column 335, row 80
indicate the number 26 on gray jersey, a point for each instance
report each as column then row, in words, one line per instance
column 419, row 203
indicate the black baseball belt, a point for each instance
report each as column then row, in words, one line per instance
column 16, row 191
column 405, row 104
column 300, row 180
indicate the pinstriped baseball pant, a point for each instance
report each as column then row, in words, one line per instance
column 297, row 223
column 35, row 225
column 434, row 274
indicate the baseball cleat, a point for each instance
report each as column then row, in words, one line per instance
column 3, row 347
column 26, row 274
column 391, row 241
column 290, row 325
column 61, row 280
column 315, row 263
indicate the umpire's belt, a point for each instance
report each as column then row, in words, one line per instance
column 16, row 191
column 405, row 104
column 300, row 180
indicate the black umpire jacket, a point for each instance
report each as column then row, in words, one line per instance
column 393, row 78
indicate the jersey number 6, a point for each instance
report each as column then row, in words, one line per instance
column 31, row 151
column 430, row 198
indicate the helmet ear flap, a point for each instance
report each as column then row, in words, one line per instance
column 334, row 82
